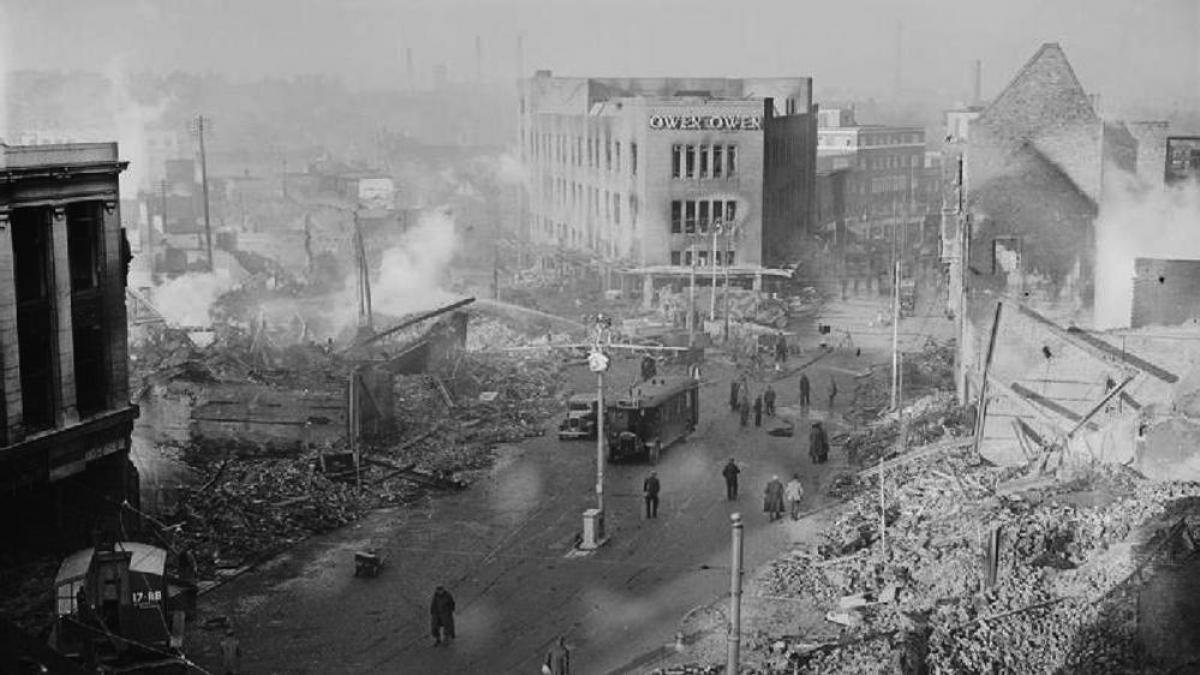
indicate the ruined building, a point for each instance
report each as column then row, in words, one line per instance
column 67, row 418
column 638, row 173
column 1035, row 161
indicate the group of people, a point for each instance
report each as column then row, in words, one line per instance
column 739, row 401
column 775, row 496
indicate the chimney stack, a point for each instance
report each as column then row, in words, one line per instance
column 520, row 55
column 977, row 84
column 478, row 59
column 412, row 73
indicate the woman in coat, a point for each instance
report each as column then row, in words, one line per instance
column 773, row 499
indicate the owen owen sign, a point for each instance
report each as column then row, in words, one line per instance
column 706, row 122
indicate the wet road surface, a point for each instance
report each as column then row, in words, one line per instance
column 504, row 548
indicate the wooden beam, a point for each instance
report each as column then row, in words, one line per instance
column 981, row 404
column 1099, row 406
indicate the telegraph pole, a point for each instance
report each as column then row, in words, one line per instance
column 691, row 317
column 712, row 305
column 204, row 188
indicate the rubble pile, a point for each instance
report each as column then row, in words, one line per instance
column 1059, row 597
column 929, row 419
column 928, row 371
column 246, row 509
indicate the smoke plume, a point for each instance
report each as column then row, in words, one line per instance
column 129, row 121
column 411, row 274
column 1137, row 220
column 186, row 300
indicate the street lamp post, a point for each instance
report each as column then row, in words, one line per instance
column 598, row 362
column 712, row 304
column 731, row 233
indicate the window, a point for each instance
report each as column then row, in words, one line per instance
column 689, row 217
column 717, row 160
column 729, row 258
column 616, row 208
column 687, row 257
column 731, row 154
column 617, row 156
column 730, row 211
column 676, row 217
column 718, row 211
column 676, row 258
column 633, row 158
column 607, row 155
column 633, row 211
column 703, row 216
column 676, row 161
column 704, row 161
column 83, row 246
column 703, row 255
column 691, row 161
column 35, row 311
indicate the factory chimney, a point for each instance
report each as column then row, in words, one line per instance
column 977, row 83
column 412, row 73
column 478, row 59
column 520, row 55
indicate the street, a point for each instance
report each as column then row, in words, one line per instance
column 504, row 549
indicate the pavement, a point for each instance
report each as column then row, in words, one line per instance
column 505, row 550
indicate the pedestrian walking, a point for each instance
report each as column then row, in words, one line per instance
column 805, row 387
column 733, row 395
column 769, row 400
column 441, row 616
column 818, row 444
column 231, row 653
column 558, row 659
column 730, row 472
column 793, row 492
column 650, row 488
column 773, row 499
column 744, row 409
column 832, row 391
column 758, row 410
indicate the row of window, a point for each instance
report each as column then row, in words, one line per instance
column 575, row 237
column 592, row 152
column 605, row 204
column 691, row 216
column 894, row 162
column 704, row 161
column 684, row 257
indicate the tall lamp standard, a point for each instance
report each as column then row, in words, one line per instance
column 731, row 233
column 598, row 362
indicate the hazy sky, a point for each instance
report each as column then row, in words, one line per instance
column 1122, row 49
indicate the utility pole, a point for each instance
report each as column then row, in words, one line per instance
column 734, row 639
column 204, row 188
column 895, row 333
column 162, row 219
column 712, row 305
column 691, row 317
column 598, row 362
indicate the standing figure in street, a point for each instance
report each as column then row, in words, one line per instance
column 781, row 351
column 441, row 616
column 769, row 401
column 818, row 444
column 832, row 391
column 793, row 493
column 558, row 659
column 773, row 499
column 805, row 388
column 758, row 410
column 231, row 653
column 730, row 472
column 733, row 395
column 744, row 408
column 650, row 488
